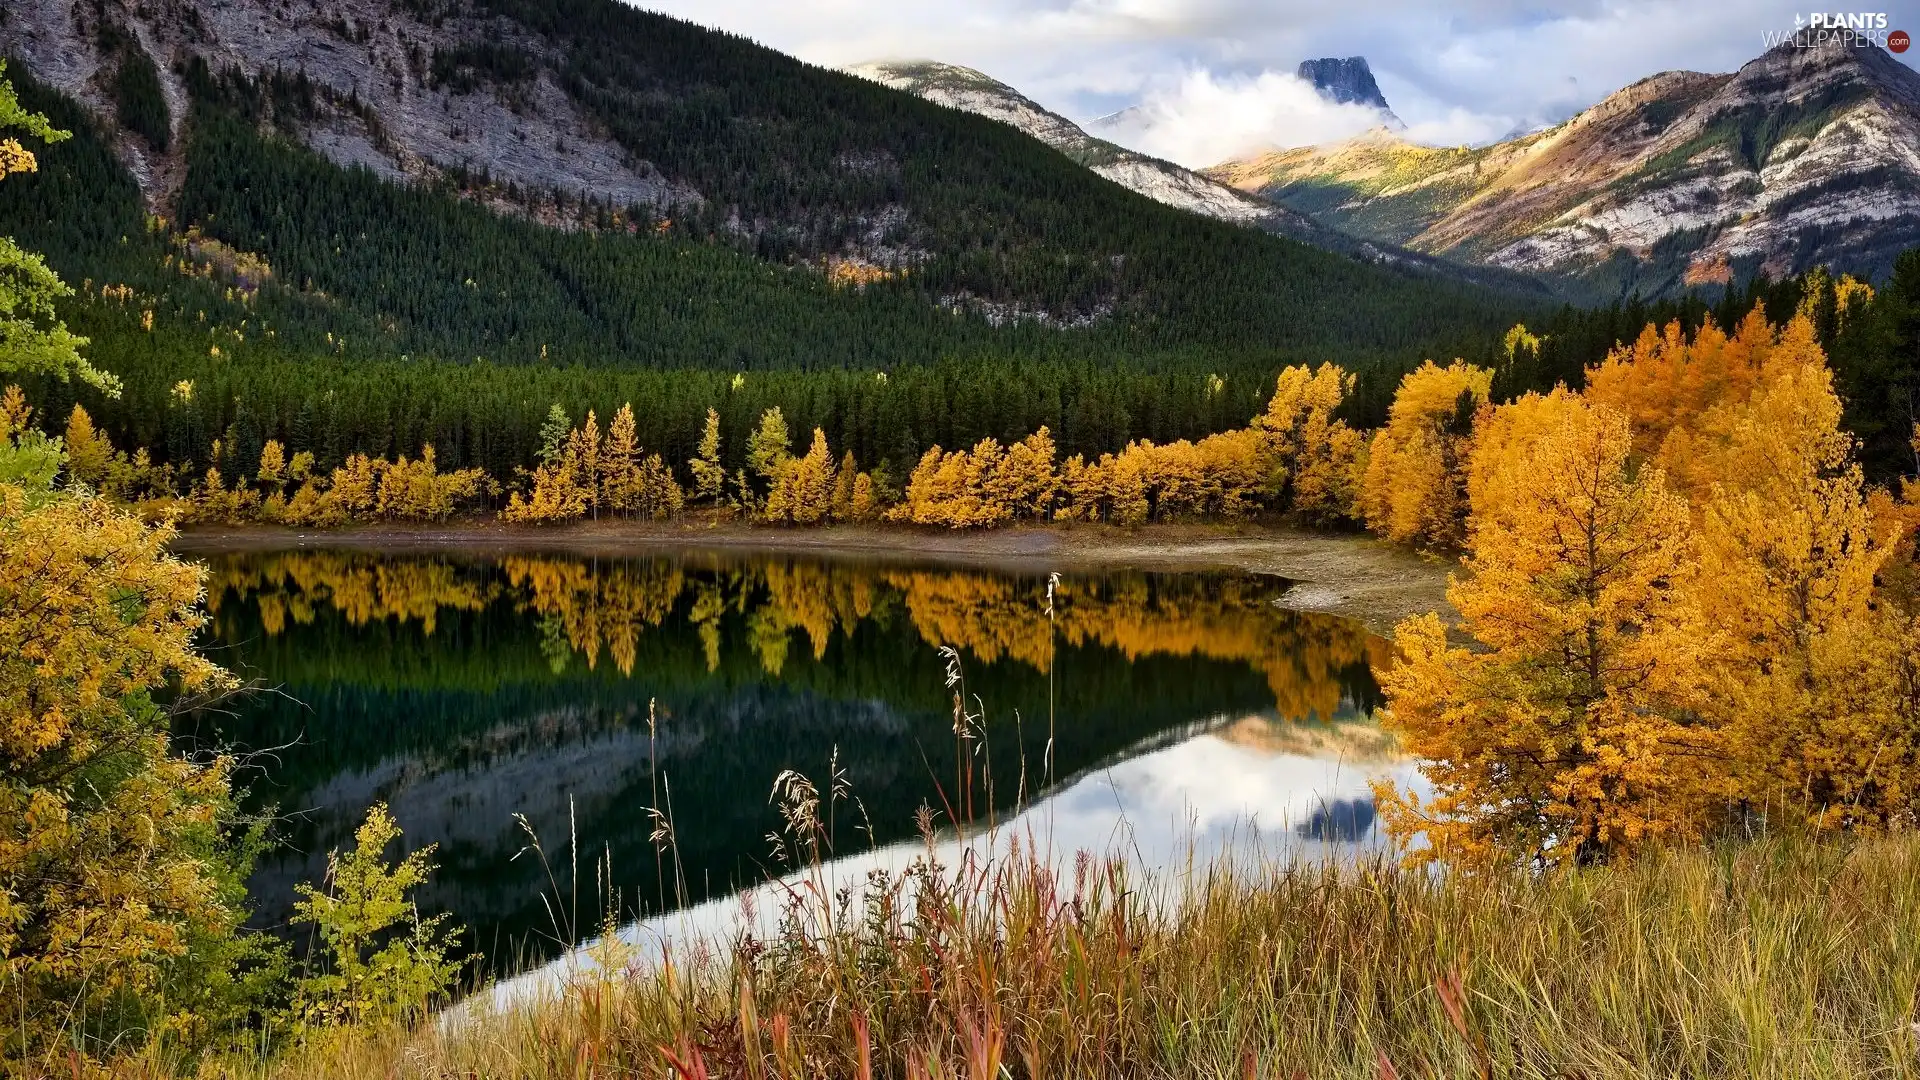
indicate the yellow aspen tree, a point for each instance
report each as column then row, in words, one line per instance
column 1807, row 682
column 1235, row 472
column 980, row 505
column 1079, row 491
column 1503, row 435
column 709, row 476
column 660, row 495
column 271, row 477
column 769, row 447
column 864, row 505
column 1576, row 733
column 212, row 500
column 814, row 500
column 934, row 488
column 1126, row 487
column 354, row 488
column 1413, row 489
column 565, row 482
column 272, row 473
column 802, row 489
column 1671, row 386
column 583, row 453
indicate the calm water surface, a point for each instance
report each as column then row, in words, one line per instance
column 1146, row 710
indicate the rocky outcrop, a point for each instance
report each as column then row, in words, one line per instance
column 1347, row 81
column 379, row 102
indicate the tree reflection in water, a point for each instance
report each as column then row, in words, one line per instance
column 465, row 690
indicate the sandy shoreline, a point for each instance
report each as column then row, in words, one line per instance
column 1347, row 574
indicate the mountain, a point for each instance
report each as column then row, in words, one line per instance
column 1347, row 81
column 655, row 193
column 1805, row 156
column 972, row 91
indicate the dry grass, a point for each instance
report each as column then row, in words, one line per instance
column 1778, row 958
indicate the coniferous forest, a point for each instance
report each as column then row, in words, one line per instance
column 439, row 320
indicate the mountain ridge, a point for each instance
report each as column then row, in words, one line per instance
column 1804, row 156
column 733, row 207
column 970, row 90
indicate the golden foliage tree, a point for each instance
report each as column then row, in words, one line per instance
column 1576, row 733
column 983, row 487
column 769, row 447
column 709, row 476
column 802, row 492
column 620, row 464
column 89, row 453
column 845, row 479
column 1314, row 457
column 1813, row 684
column 109, row 842
column 1414, row 486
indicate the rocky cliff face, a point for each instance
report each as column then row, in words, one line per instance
column 1348, row 81
column 390, row 92
column 1805, row 156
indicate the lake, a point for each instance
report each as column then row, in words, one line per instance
column 604, row 704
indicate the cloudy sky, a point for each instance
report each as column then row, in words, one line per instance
column 1215, row 78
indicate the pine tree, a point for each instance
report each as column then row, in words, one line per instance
column 553, row 434
column 769, row 447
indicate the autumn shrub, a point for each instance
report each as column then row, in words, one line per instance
column 120, row 904
column 379, row 962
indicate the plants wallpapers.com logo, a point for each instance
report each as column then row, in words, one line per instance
column 1859, row 29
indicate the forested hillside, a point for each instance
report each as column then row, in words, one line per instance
column 294, row 294
column 515, row 104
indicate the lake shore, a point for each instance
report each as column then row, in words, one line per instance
column 1347, row 574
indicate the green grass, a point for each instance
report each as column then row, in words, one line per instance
column 1774, row 958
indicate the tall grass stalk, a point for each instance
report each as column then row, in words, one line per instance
column 1780, row 957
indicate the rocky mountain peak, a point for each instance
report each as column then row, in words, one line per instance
column 1347, row 81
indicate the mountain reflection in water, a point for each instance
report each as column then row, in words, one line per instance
column 585, row 693
column 1240, row 790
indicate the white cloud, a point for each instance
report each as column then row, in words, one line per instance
column 1454, row 70
column 1201, row 118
